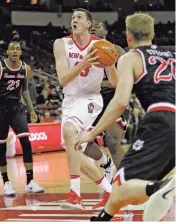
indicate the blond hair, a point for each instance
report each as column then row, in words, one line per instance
column 141, row 25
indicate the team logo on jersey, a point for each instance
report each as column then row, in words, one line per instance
column 138, row 145
column 90, row 108
column 70, row 42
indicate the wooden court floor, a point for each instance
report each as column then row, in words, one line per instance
column 51, row 172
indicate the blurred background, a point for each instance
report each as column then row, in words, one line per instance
column 37, row 23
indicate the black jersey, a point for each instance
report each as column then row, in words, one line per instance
column 107, row 92
column 156, row 84
column 11, row 82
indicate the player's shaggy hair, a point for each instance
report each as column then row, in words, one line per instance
column 141, row 26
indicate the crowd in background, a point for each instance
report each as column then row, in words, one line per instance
column 98, row 6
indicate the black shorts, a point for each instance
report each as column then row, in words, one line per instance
column 122, row 121
column 152, row 155
column 13, row 115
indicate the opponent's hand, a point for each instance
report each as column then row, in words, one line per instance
column 91, row 58
column 83, row 138
column 34, row 117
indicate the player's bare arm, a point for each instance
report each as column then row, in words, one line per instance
column 66, row 75
column 111, row 71
column 26, row 96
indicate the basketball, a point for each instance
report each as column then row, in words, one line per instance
column 107, row 53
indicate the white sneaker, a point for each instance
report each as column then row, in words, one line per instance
column 160, row 202
column 33, row 187
column 8, row 190
column 109, row 169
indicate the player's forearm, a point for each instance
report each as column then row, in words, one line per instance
column 112, row 75
column 113, row 111
column 28, row 101
column 71, row 74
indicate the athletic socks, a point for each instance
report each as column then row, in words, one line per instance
column 5, row 177
column 104, row 160
column 29, row 175
column 75, row 184
column 104, row 184
column 103, row 216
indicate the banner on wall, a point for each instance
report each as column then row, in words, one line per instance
column 43, row 137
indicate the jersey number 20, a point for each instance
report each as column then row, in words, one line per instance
column 164, row 65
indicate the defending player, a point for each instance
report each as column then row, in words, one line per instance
column 151, row 74
column 14, row 75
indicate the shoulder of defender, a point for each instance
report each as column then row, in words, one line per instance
column 120, row 50
column 130, row 57
column 28, row 71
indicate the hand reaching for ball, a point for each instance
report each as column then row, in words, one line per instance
column 91, row 58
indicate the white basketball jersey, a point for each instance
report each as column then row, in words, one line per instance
column 90, row 79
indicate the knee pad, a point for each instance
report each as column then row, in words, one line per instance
column 3, row 161
column 27, row 149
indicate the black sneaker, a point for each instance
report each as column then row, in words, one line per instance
column 160, row 202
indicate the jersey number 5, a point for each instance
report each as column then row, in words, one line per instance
column 164, row 64
column 13, row 84
column 85, row 72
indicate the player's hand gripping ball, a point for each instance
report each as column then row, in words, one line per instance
column 107, row 53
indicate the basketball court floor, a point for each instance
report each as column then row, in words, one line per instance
column 51, row 172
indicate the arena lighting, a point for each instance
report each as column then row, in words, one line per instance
column 33, row 2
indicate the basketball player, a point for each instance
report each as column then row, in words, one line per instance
column 114, row 133
column 82, row 100
column 150, row 73
column 14, row 75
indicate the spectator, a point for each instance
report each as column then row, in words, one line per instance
column 47, row 118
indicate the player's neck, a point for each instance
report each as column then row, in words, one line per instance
column 142, row 43
column 82, row 40
column 13, row 64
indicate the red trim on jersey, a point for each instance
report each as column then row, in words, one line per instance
column 144, row 70
column 161, row 107
column 74, row 117
column 92, row 37
column 12, row 69
column 118, row 180
column 22, row 135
